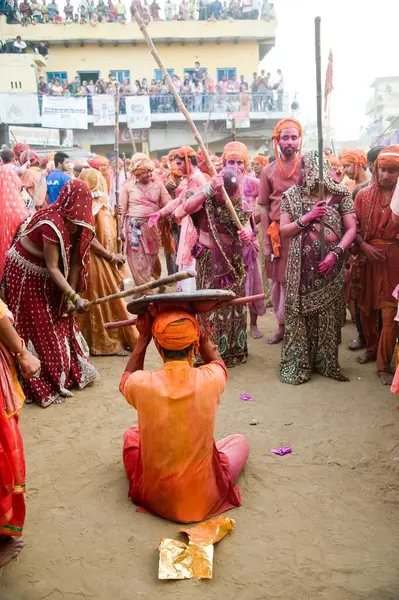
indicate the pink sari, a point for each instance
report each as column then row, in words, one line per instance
column 12, row 210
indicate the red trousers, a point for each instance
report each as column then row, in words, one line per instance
column 235, row 447
column 382, row 346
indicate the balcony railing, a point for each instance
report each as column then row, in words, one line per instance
column 207, row 103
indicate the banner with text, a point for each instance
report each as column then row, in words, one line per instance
column 138, row 113
column 103, row 110
column 34, row 136
column 64, row 113
column 19, row 109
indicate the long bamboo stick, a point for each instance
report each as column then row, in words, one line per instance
column 134, row 147
column 185, row 112
column 317, row 23
column 116, row 151
column 143, row 288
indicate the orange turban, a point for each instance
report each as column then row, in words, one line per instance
column 175, row 330
column 236, row 150
column 172, row 154
column 140, row 166
column 388, row 158
column 185, row 151
column 287, row 124
column 97, row 161
column 263, row 160
column 164, row 160
column 355, row 156
column 281, row 125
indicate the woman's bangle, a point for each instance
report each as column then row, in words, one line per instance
column 77, row 297
column 18, row 355
column 70, row 294
column 299, row 223
column 208, row 191
column 112, row 257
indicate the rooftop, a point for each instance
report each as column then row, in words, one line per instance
column 169, row 32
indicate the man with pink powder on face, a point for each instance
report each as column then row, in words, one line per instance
column 277, row 178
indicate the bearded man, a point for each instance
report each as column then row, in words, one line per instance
column 276, row 178
column 378, row 265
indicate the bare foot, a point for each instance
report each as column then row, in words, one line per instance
column 386, row 378
column 358, row 344
column 365, row 358
column 10, row 549
column 256, row 334
column 277, row 337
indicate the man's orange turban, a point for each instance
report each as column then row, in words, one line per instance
column 140, row 166
column 388, row 158
column 236, row 150
column 287, row 124
column 19, row 148
column 185, row 151
column 355, row 156
column 175, row 330
column 263, row 160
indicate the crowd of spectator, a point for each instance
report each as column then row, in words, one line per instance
column 39, row 11
column 198, row 90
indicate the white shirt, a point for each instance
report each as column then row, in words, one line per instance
column 21, row 45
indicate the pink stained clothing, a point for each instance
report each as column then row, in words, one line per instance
column 34, row 181
column 142, row 264
column 188, row 233
column 12, row 210
column 112, row 193
column 277, row 297
column 138, row 200
column 253, row 281
column 272, row 186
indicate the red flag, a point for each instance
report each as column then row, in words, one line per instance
column 328, row 87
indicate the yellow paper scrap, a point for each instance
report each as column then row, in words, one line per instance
column 195, row 560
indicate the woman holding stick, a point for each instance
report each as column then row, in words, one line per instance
column 104, row 278
column 220, row 257
column 44, row 272
column 315, row 303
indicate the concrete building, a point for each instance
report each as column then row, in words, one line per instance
column 382, row 110
column 222, row 48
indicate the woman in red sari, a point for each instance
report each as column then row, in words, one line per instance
column 12, row 460
column 43, row 270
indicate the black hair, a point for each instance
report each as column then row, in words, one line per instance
column 193, row 160
column 373, row 153
column 7, row 155
column 176, row 354
column 59, row 158
column 78, row 169
column 272, row 158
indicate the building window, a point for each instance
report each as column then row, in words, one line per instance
column 61, row 75
column 88, row 76
column 191, row 71
column 158, row 74
column 120, row 75
column 228, row 72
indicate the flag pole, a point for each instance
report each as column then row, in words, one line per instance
column 320, row 128
column 185, row 112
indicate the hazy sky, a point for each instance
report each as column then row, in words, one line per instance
column 363, row 36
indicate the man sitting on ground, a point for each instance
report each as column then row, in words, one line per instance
column 174, row 467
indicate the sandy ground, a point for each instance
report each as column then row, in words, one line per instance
column 319, row 524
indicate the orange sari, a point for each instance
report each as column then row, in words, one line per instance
column 105, row 279
column 12, row 459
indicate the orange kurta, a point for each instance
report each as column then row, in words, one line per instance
column 179, row 474
column 378, row 280
column 105, row 279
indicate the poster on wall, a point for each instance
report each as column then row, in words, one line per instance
column 64, row 113
column 103, row 110
column 138, row 113
column 19, row 109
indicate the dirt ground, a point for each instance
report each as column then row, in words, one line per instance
column 319, row 524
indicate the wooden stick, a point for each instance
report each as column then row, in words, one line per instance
column 233, row 129
column 245, row 300
column 317, row 23
column 124, row 165
column 143, row 288
column 134, row 147
column 185, row 112
column 116, row 151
